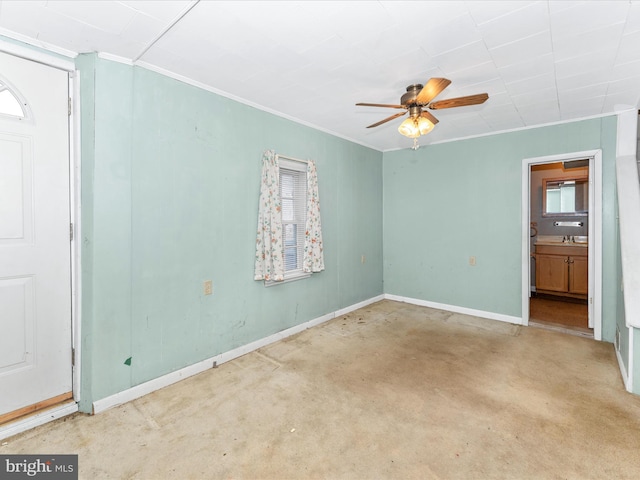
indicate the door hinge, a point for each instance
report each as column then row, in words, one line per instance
column 69, row 109
column 71, row 232
column 73, row 357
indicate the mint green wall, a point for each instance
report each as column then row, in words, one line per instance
column 86, row 66
column 446, row 202
column 171, row 179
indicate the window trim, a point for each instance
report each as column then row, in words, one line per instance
column 292, row 278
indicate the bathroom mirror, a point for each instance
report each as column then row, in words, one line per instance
column 565, row 196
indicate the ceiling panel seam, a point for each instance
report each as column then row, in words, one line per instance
column 180, row 16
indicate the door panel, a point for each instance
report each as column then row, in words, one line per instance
column 15, row 189
column 35, row 257
column 17, row 341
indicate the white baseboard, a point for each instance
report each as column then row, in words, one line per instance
column 623, row 371
column 32, row 421
column 151, row 386
column 356, row 306
column 173, row 377
column 630, row 373
column 456, row 309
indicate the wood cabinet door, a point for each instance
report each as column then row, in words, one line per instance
column 552, row 273
column 578, row 275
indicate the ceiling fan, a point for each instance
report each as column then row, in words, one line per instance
column 417, row 100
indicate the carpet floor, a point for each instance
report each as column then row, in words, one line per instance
column 390, row 391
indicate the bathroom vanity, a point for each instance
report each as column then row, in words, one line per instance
column 562, row 266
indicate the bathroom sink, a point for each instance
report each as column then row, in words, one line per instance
column 575, row 240
column 549, row 239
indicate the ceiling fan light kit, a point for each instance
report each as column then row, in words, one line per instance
column 419, row 97
column 413, row 127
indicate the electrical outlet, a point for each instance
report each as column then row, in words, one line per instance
column 207, row 287
column 363, row 259
column 472, row 261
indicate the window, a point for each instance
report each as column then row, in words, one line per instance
column 289, row 235
column 293, row 196
column 9, row 104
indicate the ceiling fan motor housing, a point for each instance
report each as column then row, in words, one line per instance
column 415, row 111
column 412, row 92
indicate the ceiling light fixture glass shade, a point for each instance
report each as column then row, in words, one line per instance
column 424, row 125
column 413, row 127
column 409, row 128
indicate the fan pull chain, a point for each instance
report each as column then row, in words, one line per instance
column 415, row 144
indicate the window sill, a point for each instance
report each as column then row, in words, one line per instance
column 289, row 278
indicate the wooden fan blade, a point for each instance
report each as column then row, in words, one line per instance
column 387, row 119
column 384, row 105
column 429, row 117
column 460, row 101
column 431, row 90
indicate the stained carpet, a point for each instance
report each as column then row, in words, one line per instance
column 390, row 391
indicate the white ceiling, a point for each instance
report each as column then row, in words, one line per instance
column 540, row 62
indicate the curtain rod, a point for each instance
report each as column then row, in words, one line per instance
column 291, row 158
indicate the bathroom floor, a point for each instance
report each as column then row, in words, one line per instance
column 560, row 311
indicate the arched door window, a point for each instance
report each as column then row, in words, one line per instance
column 10, row 104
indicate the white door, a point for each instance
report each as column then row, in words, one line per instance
column 35, row 262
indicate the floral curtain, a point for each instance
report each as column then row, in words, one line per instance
column 313, row 259
column 269, row 265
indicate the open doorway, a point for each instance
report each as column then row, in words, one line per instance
column 561, row 244
column 559, row 220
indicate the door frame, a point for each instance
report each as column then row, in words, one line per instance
column 67, row 65
column 595, row 232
